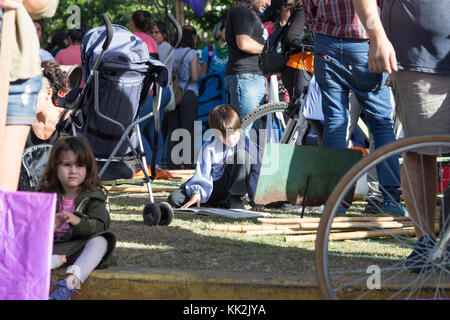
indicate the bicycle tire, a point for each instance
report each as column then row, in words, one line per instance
column 263, row 110
column 329, row 279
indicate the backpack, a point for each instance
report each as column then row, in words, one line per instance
column 34, row 161
column 273, row 57
column 177, row 91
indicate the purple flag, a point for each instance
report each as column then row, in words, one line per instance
column 198, row 6
column 26, row 243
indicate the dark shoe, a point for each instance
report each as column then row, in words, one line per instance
column 418, row 260
column 235, row 202
column 374, row 206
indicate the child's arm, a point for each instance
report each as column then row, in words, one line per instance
column 202, row 181
column 93, row 219
column 68, row 217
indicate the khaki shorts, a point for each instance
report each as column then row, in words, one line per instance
column 422, row 103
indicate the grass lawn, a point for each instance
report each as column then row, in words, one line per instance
column 189, row 244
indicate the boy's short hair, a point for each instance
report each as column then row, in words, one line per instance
column 224, row 117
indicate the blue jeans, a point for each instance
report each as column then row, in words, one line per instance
column 246, row 92
column 341, row 65
column 22, row 100
column 148, row 127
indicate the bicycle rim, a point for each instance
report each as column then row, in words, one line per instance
column 374, row 267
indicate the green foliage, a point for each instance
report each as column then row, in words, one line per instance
column 120, row 11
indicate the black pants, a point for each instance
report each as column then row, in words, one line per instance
column 234, row 181
column 295, row 80
column 183, row 117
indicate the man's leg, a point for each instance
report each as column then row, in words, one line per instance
column 374, row 97
column 246, row 92
column 330, row 76
column 419, row 184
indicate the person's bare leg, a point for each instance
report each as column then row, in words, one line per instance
column 419, row 184
column 13, row 146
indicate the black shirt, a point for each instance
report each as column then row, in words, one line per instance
column 241, row 21
column 420, row 33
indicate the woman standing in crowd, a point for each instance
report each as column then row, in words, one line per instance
column 158, row 31
column 299, row 68
column 186, row 66
column 215, row 55
column 25, row 79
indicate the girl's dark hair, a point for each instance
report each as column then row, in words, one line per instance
column 224, row 117
column 162, row 28
column 76, row 35
column 141, row 19
column 57, row 79
column 187, row 39
column 80, row 146
column 41, row 24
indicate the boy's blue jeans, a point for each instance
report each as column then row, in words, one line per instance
column 246, row 92
column 341, row 65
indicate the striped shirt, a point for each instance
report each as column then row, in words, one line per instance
column 335, row 18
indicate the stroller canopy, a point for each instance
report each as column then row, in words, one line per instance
column 125, row 52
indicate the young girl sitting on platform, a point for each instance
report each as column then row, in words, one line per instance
column 227, row 168
column 81, row 237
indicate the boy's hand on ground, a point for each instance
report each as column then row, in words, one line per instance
column 10, row 4
column 195, row 198
column 258, row 207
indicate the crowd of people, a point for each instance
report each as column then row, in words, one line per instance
column 354, row 56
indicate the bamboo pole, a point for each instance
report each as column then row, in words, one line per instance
column 280, row 231
column 337, row 219
column 139, row 190
column 245, row 228
column 7, row 43
column 358, row 225
column 354, row 235
column 361, row 234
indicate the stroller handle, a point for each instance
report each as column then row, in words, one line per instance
column 109, row 31
column 177, row 27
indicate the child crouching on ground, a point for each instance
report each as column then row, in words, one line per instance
column 81, row 237
column 227, row 169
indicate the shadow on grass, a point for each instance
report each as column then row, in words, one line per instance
column 188, row 244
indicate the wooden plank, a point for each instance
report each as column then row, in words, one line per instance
column 139, row 189
column 245, row 227
column 276, row 232
column 337, row 219
column 358, row 225
column 354, row 235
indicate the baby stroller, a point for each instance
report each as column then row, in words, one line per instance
column 119, row 75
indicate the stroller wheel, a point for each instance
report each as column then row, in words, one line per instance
column 166, row 214
column 152, row 214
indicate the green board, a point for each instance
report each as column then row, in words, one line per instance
column 288, row 170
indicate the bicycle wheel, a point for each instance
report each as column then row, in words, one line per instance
column 284, row 128
column 369, row 261
column 261, row 111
